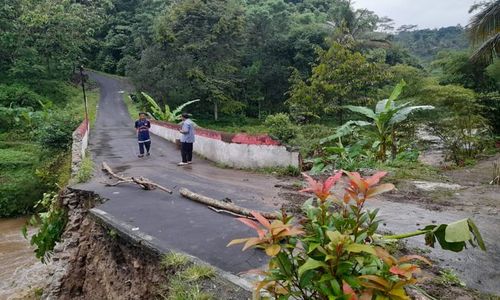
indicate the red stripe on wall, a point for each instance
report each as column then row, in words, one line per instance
column 263, row 139
column 82, row 128
column 238, row 138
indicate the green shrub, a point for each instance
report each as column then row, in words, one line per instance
column 56, row 132
column 280, row 127
column 54, row 170
column 19, row 187
column 51, row 222
column 490, row 109
column 464, row 136
column 307, row 140
column 57, row 91
column 19, row 95
column 86, row 169
column 18, row 119
column 19, row 190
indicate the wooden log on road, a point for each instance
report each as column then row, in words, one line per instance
column 144, row 183
column 223, row 205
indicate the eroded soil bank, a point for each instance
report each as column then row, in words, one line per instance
column 94, row 261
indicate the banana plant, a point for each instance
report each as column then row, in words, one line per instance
column 166, row 114
column 385, row 118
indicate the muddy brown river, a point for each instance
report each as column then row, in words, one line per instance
column 20, row 272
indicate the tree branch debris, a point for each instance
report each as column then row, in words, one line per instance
column 144, row 183
column 220, row 206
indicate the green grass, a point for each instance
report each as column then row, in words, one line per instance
column 19, row 185
column 132, row 108
column 196, row 272
column 186, row 278
column 174, row 260
column 179, row 290
column 277, row 171
column 449, row 277
column 86, row 169
column 38, row 293
column 406, row 170
column 234, row 125
column 26, row 171
column 76, row 107
column 280, row 171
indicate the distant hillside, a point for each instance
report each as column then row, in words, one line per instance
column 426, row 43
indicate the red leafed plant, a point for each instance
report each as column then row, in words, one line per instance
column 336, row 253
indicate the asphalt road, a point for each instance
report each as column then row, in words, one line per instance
column 190, row 227
column 177, row 222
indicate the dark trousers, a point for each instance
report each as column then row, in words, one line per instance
column 187, row 152
column 142, row 145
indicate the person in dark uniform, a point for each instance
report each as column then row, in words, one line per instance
column 142, row 127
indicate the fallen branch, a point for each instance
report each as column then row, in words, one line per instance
column 144, row 183
column 116, row 183
column 228, row 212
column 223, row 205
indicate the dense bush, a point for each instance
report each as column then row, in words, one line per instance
column 334, row 250
column 490, row 103
column 19, row 95
column 309, row 136
column 464, row 136
column 54, row 170
column 18, row 192
column 50, row 223
column 280, row 127
column 14, row 118
column 19, row 187
column 56, row 131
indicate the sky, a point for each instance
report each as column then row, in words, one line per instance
column 424, row 13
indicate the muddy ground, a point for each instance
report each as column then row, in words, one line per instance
column 452, row 195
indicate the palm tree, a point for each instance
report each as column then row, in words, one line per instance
column 356, row 27
column 484, row 30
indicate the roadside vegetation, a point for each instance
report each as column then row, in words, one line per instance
column 186, row 278
column 86, row 169
column 336, row 252
column 311, row 76
column 35, row 141
column 41, row 104
column 337, row 83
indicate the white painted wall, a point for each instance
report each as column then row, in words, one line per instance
column 78, row 149
column 232, row 154
column 85, row 143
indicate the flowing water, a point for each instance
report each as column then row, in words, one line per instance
column 21, row 273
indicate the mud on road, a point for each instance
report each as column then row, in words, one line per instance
column 460, row 193
column 179, row 223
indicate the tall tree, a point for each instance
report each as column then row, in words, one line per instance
column 340, row 77
column 206, row 35
column 457, row 68
column 47, row 37
column 356, row 27
column 484, row 30
column 278, row 36
column 127, row 32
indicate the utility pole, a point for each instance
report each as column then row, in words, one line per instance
column 84, row 95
